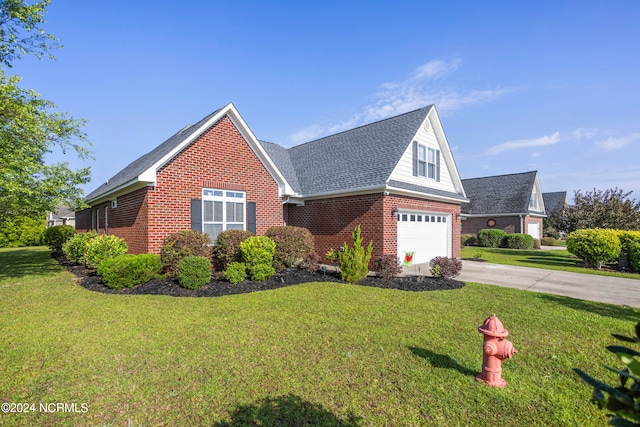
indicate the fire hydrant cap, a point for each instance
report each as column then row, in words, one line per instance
column 493, row 327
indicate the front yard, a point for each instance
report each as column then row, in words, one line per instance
column 311, row 354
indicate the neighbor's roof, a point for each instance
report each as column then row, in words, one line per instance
column 554, row 202
column 499, row 194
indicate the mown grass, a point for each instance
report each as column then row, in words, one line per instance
column 313, row 354
column 557, row 259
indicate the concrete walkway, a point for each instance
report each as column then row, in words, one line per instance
column 591, row 287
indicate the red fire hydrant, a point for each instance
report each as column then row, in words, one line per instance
column 494, row 351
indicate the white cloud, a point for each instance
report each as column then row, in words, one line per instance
column 399, row 97
column 586, row 133
column 524, row 143
column 612, row 143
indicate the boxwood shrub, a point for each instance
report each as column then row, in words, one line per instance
column 468, row 240
column 180, row 245
column 595, row 246
column 491, row 237
column 235, row 273
column 55, row 236
column 194, row 271
column 293, row 244
column 549, row 241
column 258, row 250
column 127, row 271
column 518, row 241
column 76, row 247
column 103, row 247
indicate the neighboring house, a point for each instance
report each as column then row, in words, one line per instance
column 396, row 178
column 62, row 216
column 555, row 203
column 512, row 203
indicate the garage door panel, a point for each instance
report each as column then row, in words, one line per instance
column 427, row 235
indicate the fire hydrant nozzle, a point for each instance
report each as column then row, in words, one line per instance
column 495, row 349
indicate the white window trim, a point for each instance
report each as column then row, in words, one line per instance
column 425, row 170
column 224, row 197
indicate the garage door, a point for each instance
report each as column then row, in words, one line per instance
column 534, row 229
column 426, row 234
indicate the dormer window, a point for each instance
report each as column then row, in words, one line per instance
column 533, row 202
column 426, row 162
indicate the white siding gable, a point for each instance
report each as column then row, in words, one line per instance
column 431, row 136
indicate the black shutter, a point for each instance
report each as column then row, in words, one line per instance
column 196, row 214
column 437, row 165
column 415, row 158
column 251, row 217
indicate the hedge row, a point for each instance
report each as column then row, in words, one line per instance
column 599, row 246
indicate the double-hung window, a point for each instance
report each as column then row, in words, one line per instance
column 222, row 210
column 428, row 162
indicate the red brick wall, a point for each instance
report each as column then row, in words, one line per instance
column 220, row 158
column 331, row 221
column 129, row 220
column 510, row 224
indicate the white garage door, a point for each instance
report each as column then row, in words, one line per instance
column 534, row 229
column 426, row 234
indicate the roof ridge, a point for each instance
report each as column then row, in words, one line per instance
column 501, row 175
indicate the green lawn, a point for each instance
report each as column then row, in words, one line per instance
column 314, row 354
column 551, row 259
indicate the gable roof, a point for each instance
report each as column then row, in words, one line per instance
column 554, row 202
column 360, row 159
column 501, row 194
column 142, row 171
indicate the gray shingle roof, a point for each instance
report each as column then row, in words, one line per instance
column 554, row 202
column 138, row 166
column 357, row 158
column 499, row 194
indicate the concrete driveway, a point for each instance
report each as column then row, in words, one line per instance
column 613, row 290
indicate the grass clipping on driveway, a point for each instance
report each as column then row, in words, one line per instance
column 314, row 354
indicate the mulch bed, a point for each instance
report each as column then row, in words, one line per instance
column 218, row 287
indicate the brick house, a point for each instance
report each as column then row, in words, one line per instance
column 396, row 178
column 511, row 202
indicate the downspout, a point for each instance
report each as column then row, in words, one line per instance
column 521, row 224
column 106, row 220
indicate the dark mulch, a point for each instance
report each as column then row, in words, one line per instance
column 218, row 287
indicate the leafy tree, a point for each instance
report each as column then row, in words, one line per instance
column 611, row 208
column 30, row 127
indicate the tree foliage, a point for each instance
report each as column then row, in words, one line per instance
column 611, row 208
column 30, row 128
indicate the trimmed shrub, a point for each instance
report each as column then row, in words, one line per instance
column 536, row 244
column 127, row 271
column 549, row 241
column 595, row 246
column 180, row 245
column 258, row 250
column 194, row 271
column 312, row 262
column 227, row 248
column 76, row 247
column 293, row 244
column 627, row 237
column 103, row 247
column 469, row 240
column 491, row 237
column 235, row 273
column 261, row 271
column 518, row 241
column 55, row 236
column 634, row 254
column 444, row 267
column 387, row 266
column 354, row 261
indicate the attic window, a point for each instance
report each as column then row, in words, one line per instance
column 533, row 202
column 426, row 162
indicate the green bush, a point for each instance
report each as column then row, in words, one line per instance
column 595, row 246
column 235, row 273
column 293, row 244
column 76, row 247
column 194, row 271
column 387, row 266
column 536, row 244
column 491, row 237
column 518, row 241
column 549, row 241
column 180, row 245
column 261, row 271
column 444, row 267
column 227, row 248
column 127, row 271
column 55, row 236
column 623, row 398
column 21, row 231
column 634, row 255
column 354, row 261
column 469, row 240
column 258, row 250
column 103, row 247
column 627, row 238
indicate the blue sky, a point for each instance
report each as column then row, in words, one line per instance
column 552, row 86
